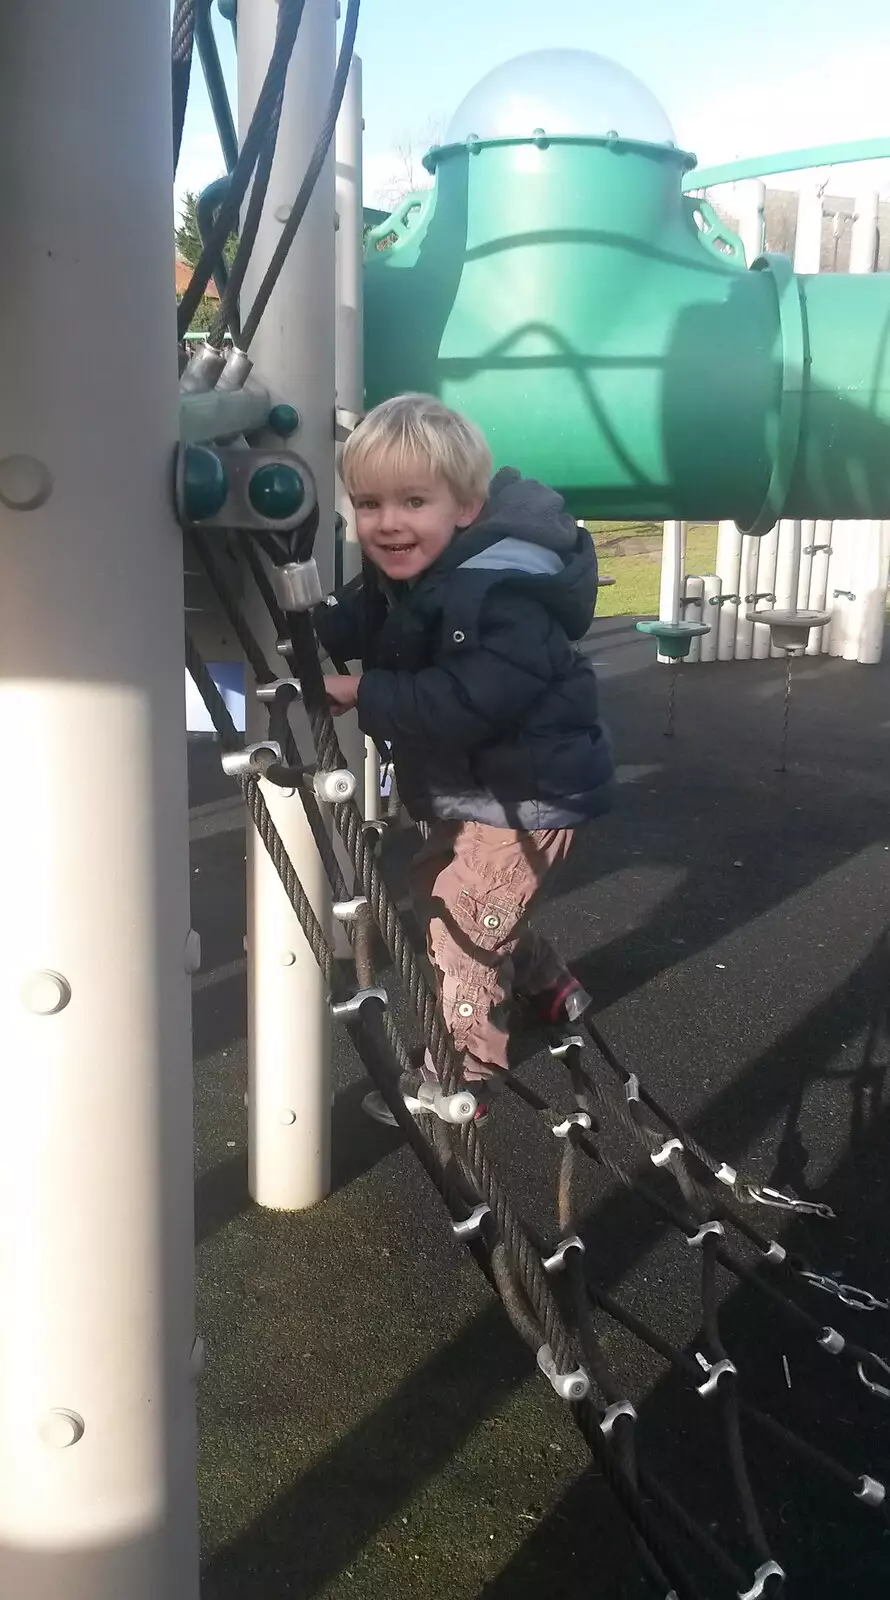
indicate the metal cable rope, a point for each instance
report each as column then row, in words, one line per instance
column 227, row 217
column 319, row 155
column 182, row 44
column 660, row 1558
column 228, row 311
column 611, row 1469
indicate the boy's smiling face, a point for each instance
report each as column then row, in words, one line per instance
column 404, row 527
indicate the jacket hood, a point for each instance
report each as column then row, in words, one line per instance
column 522, row 508
column 525, row 536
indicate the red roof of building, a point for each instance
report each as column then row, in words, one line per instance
column 183, row 275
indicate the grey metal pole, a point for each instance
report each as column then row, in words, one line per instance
column 97, row 1341
column 289, row 1028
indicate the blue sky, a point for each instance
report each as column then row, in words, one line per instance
column 735, row 78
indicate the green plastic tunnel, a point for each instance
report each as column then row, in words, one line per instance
column 604, row 330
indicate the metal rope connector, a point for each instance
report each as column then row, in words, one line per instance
column 764, row 1196
column 560, row 1047
column 716, row 1373
column 570, row 1386
column 776, row 1254
column 348, row 910
column 346, row 1010
column 334, row 787
column 454, row 1109
column 621, row 1408
column 870, row 1384
column 707, row 1230
column 856, row 1299
column 632, row 1089
column 471, row 1226
column 299, row 586
column 253, row 761
column 267, row 692
column 727, row 1174
column 660, row 1158
column 578, row 1119
column 833, row 1342
column 770, row 1569
column 557, row 1261
column 870, row 1491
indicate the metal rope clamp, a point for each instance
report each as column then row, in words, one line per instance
column 253, row 761
column 348, row 1010
column 334, row 787
column 268, row 692
column 570, row 1386
column 708, row 1230
column 660, row 1158
column 870, row 1491
column 454, row 1109
column 561, row 1046
column 716, row 1373
column 349, row 910
column 621, row 1408
column 770, row 1569
column 578, row 1119
column 299, row 586
column 556, row 1262
column 471, row 1226
column 833, row 1342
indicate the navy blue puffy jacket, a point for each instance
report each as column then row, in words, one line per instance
column 471, row 673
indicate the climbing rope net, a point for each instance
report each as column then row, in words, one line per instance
column 548, row 1284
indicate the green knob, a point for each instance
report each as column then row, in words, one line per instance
column 277, row 491
column 284, row 419
column 205, row 484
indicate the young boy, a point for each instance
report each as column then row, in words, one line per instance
column 473, row 593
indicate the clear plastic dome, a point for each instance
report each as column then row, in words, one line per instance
column 560, row 92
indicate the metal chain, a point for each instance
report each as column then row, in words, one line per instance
column 672, row 699
column 786, row 712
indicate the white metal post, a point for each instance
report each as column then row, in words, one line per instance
column 711, row 591
column 361, row 753
column 866, row 638
column 693, row 611
column 787, row 570
column 97, row 1340
column 752, row 219
column 288, row 1024
column 767, row 556
column 673, row 575
column 817, row 600
column 729, row 564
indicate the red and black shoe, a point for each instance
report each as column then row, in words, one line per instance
column 567, row 1001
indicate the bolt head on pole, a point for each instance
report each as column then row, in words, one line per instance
column 277, row 491
column 205, row 484
column 284, row 419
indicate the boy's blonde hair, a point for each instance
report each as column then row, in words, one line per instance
column 411, row 431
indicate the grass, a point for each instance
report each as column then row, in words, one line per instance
column 630, row 552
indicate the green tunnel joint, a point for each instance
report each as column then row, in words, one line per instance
column 542, row 140
column 793, row 333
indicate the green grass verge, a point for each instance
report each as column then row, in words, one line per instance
column 630, row 552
